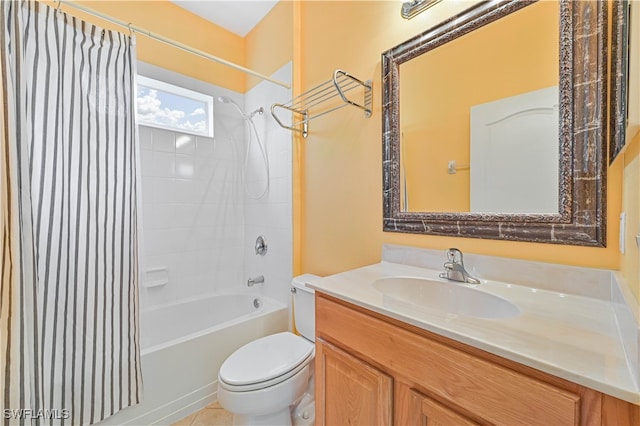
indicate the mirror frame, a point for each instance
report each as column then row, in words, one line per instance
column 583, row 128
column 619, row 77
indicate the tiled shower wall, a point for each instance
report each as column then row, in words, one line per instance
column 192, row 215
column 199, row 224
column 270, row 215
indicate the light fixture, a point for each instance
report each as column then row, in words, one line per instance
column 412, row 8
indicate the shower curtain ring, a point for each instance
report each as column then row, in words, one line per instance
column 58, row 6
column 130, row 29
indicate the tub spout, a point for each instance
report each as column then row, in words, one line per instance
column 256, row 280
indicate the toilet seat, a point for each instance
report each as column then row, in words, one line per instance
column 265, row 362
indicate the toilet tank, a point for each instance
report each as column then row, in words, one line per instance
column 304, row 306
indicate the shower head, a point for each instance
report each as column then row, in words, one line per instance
column 228, row 100
column 225, row 99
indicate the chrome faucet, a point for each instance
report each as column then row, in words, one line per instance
column 454, row 268
column 256, row 280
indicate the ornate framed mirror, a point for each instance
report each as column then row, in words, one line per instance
column 493, row 129
column 622, row 126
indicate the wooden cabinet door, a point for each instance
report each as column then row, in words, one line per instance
column 436, row 414
column 415, row 409
column 350, row 391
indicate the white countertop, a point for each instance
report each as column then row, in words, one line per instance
column 569, row 336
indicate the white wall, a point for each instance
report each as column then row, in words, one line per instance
column 270, row 215
column 198, row 221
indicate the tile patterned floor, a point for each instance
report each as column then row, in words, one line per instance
column 211, row 415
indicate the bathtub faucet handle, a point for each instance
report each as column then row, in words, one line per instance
column 256, row 280
column 261, row 245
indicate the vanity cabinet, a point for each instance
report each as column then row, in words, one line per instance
column 372, row 369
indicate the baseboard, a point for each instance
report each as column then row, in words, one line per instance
column 168, row 413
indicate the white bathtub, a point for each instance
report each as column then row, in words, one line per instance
column 183, row 346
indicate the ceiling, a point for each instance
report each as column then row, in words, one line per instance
column 237, row 16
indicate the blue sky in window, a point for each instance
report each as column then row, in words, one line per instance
column 157, row 107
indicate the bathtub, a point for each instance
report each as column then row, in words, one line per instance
column 183, row 346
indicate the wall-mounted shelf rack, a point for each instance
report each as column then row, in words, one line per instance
column 317, row 102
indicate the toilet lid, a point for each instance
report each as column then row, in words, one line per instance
column 265, row 359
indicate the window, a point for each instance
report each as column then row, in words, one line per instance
column 174, row 108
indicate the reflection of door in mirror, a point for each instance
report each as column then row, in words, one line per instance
column 511, row 56
column 514, row 154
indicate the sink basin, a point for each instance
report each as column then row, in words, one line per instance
column 429, row 295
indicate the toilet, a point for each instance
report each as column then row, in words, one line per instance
column 269, row 381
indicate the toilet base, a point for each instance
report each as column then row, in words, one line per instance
column 268, row 406
column 282, row 417
column 304, row 413
column 301, row 414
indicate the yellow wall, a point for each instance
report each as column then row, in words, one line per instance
column 338, row 171
column 630, row 158
column 630, row 265
column 265, row 49
column 270, row 44
column 169, row 20
column 341, row 168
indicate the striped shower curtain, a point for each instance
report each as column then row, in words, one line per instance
column 69, row 348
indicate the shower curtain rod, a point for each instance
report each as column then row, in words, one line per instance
column 176, row 44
